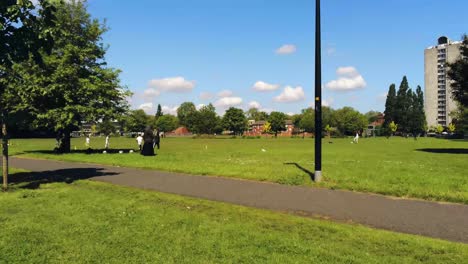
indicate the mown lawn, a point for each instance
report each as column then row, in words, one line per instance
column 92, row 222
column 427, row 168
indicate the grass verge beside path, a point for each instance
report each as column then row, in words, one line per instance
column 96, row 222
column 427, row 168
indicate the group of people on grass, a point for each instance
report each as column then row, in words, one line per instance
column 147, row 141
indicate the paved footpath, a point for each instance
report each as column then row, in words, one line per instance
column 438, row 220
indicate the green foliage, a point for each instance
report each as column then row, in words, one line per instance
column 406, row 108
column 439, row 129
column 329, row 130
column 417, row 117
column 207, row 120
column 393, row 127
column 266, row 128
column 234, row 120
column 167, row 123
column 307, row 122
column 328, row 117
column 461, row 119
column 106, row 127
column 74, row 83
column 136, row 121
column 185, row 114
column 159, row 113
column 372, row 116
column 403, row 105
column 458, row 73
column 348, row 121
column 451, row 127
column 255, row 114
column 390, row 105
column 277, row 121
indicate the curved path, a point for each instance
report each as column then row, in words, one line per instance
column 438, row 220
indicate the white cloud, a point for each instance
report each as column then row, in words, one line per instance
column 261, row 86
column 169, row 110
column 199, row 106
column 226, row 102
column 206, row 96
column 286, row 49
column 172, row 84
column 254, row 104
column 147, row 107
column 290, row 113
column 151, row 93
column 225, row 93
column 290, row 95
column 349, row 79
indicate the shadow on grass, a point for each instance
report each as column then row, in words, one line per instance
column 83, row 151
column 33, row 180
column 445, row 150
column 308, row 172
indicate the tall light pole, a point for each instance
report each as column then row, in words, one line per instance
column 318, row 96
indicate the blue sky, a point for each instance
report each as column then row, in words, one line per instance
column 261, row 52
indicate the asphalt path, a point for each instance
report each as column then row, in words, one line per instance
column 438, row 220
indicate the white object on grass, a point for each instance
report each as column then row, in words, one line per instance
column 131, row 151
column 120, row 151
column 263, row 150
column 104, row 152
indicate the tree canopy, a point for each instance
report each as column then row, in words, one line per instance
column 74, row 84
column 277, row 122
column 235, row 120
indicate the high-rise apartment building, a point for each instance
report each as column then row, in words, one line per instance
column 438, row 102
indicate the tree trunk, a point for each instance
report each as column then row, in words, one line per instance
column 65, row 142
column 4, row 152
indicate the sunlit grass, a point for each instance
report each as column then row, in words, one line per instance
column 394, row 166
column 91, row 222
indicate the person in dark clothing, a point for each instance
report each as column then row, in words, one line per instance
column 148, row 138
column 157, row 139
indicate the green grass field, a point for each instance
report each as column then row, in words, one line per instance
column 427, row 168
column 91, row 222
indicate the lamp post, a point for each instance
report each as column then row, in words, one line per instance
column 318, row 96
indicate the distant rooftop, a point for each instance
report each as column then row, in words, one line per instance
column 444, row 41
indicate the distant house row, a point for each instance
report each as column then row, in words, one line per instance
column 256, row 128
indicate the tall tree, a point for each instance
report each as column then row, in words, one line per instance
column 184, row 111
column 167, row 123
column 22, row 33
column 307, row 123
column 159, row 113
column 416, row 116
column 235, row 120
column 348, row 120
column 402, row 105
column 208, row 119
column 277, row 121
column 136, row 121
column 257, row 115
column 390, row 105
column 458, row 73
column 75, row 84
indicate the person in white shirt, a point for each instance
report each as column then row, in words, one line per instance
column 356, row 138
column 87, row 141
column 139, row 140
column 107, row 142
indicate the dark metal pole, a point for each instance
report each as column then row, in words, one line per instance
column 318, row 96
